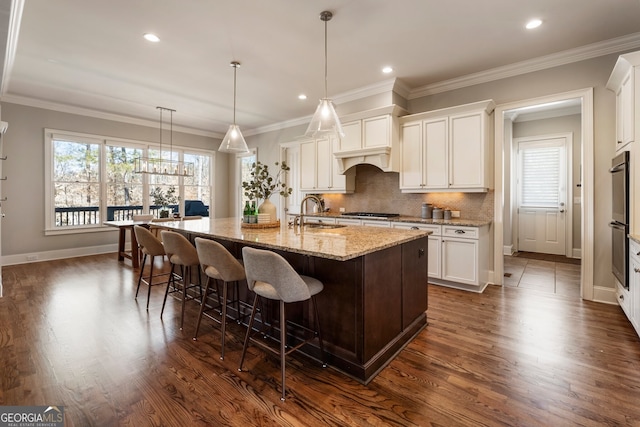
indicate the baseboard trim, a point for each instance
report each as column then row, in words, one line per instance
column 604, row 295
column 58, row 254
column 507, row 250
column 577, row 253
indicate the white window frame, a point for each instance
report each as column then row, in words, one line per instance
column 50, row 228
column 237, row 203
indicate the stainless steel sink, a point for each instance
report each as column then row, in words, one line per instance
column 323, row 226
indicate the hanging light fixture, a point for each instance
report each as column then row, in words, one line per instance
column 159, row 165
column 233, row 141
column 325, row 121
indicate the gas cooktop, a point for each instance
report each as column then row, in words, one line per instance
column 371, row 214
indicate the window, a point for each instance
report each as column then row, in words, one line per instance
column 90, row 179
column 245, row 161
column 541, row 173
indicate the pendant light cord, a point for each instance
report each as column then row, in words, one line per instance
column 235, row 70
column 325, row 58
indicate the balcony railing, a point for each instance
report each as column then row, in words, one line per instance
column 89, row 215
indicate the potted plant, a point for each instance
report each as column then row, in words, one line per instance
column 164, row 199
column 262, row 186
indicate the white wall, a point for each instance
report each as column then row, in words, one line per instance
column 23, row 226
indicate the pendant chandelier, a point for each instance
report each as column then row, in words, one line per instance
column 233, row 141
column 159, row 165
column 325, row 120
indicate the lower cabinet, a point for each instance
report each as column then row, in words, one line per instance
column 458, row 256
column 629, row 299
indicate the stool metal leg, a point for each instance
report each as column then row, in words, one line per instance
column 206, row 290
column 172, row 279
column 150, row 278
column 246, row 338
column 144, row 260
column 225, row 286
column 318, row 331
column 283, row 345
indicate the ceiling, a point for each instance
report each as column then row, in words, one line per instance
column 89, row 55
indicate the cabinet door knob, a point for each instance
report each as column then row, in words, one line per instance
column 414, row 228
column 621, row 297
column 636, row 269
column 420, row 252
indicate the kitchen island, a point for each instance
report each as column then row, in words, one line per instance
column 375, row 285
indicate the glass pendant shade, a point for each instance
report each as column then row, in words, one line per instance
column 233, row 141
column 325, row 121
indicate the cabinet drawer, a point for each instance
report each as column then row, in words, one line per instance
column 460, row 232
column 634, row 249
column 319, row 220
column 374, row 223
column 436, row 230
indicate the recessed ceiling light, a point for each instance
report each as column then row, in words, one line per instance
column 534, row 23
column 151, row 37
column 302, row 96
column 387, row 69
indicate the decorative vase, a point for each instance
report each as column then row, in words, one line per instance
column 164, row 212
column 269, row 208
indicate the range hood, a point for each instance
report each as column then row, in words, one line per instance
column 371, row 137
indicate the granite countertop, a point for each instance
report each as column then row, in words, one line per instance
column 462, row 222
column 635, row 238
column 341, row 244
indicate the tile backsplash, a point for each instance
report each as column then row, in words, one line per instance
column 378, row 191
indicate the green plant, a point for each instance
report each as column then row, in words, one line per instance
column 263, row 185
column 161, row 198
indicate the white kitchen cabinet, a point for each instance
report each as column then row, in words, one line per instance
column 319, row 220
column 370, row 137
column 318, row 168
column 623, row 83
column 458, row 256
column 629, row 299
column 376, row 223
column 447, row 150
column 348, row 221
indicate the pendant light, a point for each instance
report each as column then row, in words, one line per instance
column 233, row 141
column 325, row 120
column 159, row 165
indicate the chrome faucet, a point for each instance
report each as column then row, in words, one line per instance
column 303, row 211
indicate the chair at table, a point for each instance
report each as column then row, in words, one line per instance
column 142, row 217
column 183, row 254
column 270, row 276
column 151, row 247
column 219, row 265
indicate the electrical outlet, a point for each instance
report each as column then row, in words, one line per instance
column 32, row 257
column 342, row 210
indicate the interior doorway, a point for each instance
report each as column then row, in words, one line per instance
column 544, row 116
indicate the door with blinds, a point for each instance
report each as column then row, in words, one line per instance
column 542, row 194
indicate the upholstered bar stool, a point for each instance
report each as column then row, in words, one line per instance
column 183, row 254
column 270, row 276
column 151, row 247
column 219, row 265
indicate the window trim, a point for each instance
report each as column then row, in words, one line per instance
column 51, row 134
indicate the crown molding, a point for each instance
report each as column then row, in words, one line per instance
column 15, row 18
column 63, row 108
column 582, row 53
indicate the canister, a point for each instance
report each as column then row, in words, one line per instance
column 427, row 210
column 447, row 214
column 438, row 213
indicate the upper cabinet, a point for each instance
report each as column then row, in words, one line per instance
column 370, row 137
column 448, row 150
column 319, row 170
column 623, row 82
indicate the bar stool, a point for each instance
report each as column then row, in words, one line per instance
column 152, row 247
column 181, row 253
column 218, row 264
column 270, row 276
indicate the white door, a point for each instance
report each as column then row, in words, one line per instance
column 542, row 193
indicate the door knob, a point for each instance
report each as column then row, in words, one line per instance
column 561, row 210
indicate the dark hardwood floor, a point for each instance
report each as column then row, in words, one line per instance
column 72, row 334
